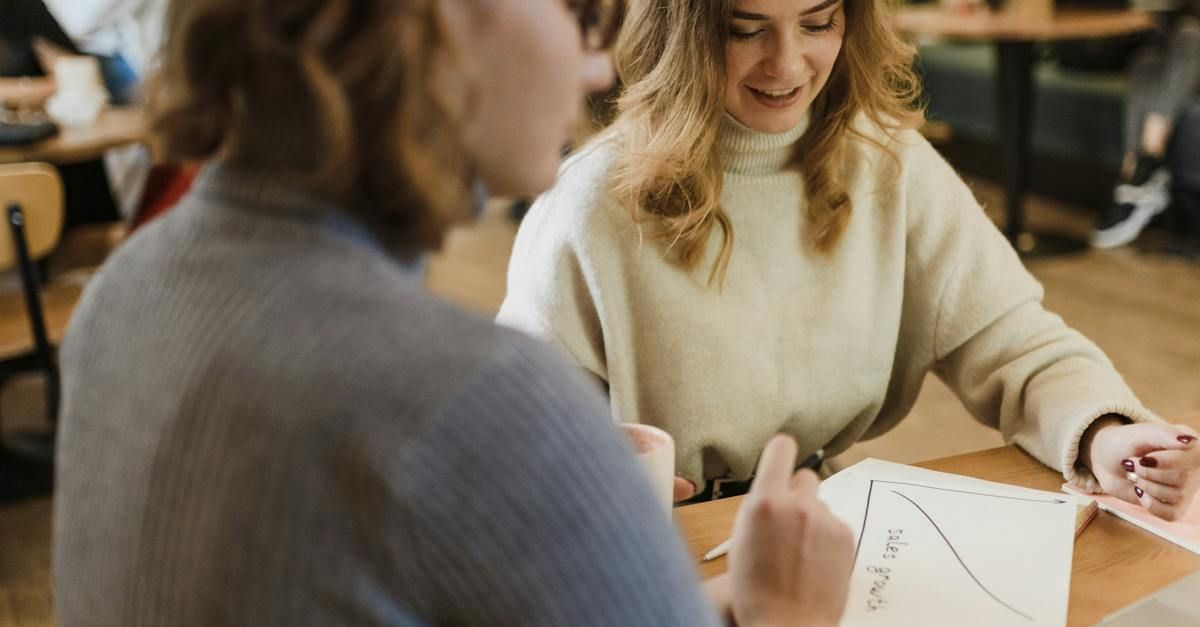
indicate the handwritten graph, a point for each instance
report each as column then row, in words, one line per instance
column 936, row 549
column 958, row 557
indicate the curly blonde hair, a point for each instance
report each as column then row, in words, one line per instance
column 671, row 57
column 339, row 95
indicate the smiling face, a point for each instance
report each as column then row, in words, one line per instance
column 778, row 58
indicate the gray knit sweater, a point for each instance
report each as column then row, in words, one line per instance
column 268, row 421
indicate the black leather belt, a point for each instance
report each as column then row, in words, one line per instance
column 715, row 489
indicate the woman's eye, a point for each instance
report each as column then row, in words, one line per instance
column 744, row 35
column 821, row 28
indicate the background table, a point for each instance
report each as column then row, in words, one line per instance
column 114, row 128
column 1115, row 563
column 1014, row 35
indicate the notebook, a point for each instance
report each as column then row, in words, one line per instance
column 1185, row 532
column 1173, row 606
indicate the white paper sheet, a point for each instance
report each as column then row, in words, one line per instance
column 940, row 549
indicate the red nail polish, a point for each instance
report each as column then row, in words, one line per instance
column 1149, row 462
column 1186, row 439
column 1127, row 464
column 1138, row 491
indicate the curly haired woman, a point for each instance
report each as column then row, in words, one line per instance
column 267, row 419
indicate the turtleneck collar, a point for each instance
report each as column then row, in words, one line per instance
column 285, row 196
column 260, row 189
column 748, row 152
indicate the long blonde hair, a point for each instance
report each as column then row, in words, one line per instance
column 671, row 57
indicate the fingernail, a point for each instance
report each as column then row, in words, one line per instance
column 1139, row 492
column 1186, row 439
column 1127, row 464
column 1149, row 462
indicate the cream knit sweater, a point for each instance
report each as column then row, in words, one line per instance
column 830, row 348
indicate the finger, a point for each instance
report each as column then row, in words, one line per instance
column 804, row 482
column 684, row 489
column 1170, row 495
column 775, row 466
column 1188, row 434
column 1163, row 510
column 1148, row 438
column 1184, row 460
column 1166, row 476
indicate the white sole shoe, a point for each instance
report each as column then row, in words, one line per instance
column 1148, row 200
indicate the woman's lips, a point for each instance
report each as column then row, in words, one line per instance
column 776, row 98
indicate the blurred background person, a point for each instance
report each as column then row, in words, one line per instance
column 30, row 39
column 124, row 35
column 1164, row 77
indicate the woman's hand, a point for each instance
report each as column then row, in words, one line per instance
column 790, row 561
column 1164, row 458
column 684, row 489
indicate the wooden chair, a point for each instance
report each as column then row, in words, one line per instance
column 31, row 322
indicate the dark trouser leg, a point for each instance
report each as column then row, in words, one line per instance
column 1145, row 83
column 1181, row 68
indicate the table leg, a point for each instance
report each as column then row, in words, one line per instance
column 26, row 466
column 1014, row 99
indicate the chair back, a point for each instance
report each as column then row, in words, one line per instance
column 38, row 189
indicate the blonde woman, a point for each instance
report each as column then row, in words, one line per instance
column 762, row 243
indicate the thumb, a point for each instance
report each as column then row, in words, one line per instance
column 1124, row 490
column 683, row 489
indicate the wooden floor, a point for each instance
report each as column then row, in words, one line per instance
column 1143, row 309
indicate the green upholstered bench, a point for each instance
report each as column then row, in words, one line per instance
column 1077, row 115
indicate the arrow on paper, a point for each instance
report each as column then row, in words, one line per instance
column 995, row 496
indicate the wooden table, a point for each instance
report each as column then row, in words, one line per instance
column 114, row 128
column 1115, row 563
column 1013, row 33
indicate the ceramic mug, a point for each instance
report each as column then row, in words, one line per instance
column 80, row 93
column 655, row 451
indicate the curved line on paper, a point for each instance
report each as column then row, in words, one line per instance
column 960, row 559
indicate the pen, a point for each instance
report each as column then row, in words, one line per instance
column 812, row 462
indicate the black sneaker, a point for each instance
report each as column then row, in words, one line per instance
column 1135, row 203
column 1145, row 167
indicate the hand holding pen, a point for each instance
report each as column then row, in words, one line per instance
column 791, row 557
column 812, row 462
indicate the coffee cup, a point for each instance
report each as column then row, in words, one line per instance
column 655, row 452
column 80, row 93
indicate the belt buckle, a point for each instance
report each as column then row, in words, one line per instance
column 716, row 489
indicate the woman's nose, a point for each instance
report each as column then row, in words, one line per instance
column 785, row 60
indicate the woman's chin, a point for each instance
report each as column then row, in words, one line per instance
column 521, row 182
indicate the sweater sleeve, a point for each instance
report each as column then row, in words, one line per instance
column 512, row 525
column 1015, row 366
column 553, row 292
